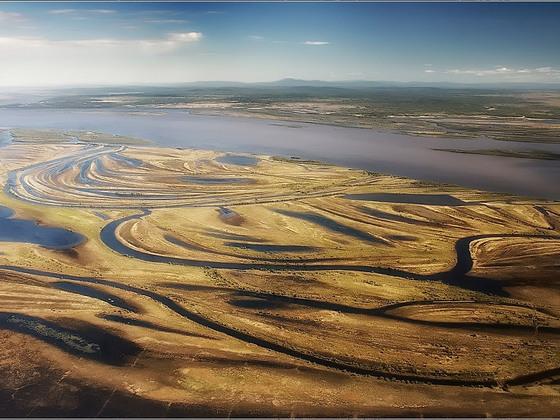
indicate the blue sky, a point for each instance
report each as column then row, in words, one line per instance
column 91, row 43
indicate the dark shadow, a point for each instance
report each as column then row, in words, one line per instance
column 95, row 293
column 151, row 326
column 256, row 303
column 331, row 225
column 79, row 338
column 378, row 214
column 270, row 247
column 424, row 199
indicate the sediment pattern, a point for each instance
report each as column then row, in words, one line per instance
column 211, row 283
column 102, row 176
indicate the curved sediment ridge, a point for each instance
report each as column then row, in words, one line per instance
column 204, row 270
column 104, row 177
column 333, row 364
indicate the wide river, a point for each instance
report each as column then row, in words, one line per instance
column 357, row 148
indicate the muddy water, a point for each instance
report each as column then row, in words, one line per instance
column 359, row 148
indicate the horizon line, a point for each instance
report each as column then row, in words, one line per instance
column 286, row 79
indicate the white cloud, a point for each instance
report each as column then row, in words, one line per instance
column 72, row 11
column 23, row 45
column 166, row 21
column 11, row 17
column 316, row 43
column 429, row 71
column 40, row 61
column 182, row 37
column 256, row 37
column 62, row 11
column 102, row 11
column 510, row 73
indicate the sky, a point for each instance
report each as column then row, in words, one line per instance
column 49, row 43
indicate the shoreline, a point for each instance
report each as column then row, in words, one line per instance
column 370, row 150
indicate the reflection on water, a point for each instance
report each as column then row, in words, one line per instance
column 5, row 212
column 376, row 151
column 238, row 160
column 28, row 231
column 5, row 137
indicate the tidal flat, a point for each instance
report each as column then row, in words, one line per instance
column 312, row 290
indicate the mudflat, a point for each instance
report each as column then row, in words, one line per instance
column 308, row 290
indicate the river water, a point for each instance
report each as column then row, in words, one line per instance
column 357, row 148
column 5, row 137
column 20, row 230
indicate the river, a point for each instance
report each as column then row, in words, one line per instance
column 372, row 150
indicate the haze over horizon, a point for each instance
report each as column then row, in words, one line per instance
column 56, row 44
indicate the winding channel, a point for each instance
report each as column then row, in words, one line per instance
column 456, row 276
column 270, row 345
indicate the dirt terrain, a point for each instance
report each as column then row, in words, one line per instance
column 143, row 281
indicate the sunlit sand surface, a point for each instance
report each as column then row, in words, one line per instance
column 193, row 282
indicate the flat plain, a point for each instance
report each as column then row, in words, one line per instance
column 526, row 115
column 146, row 281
